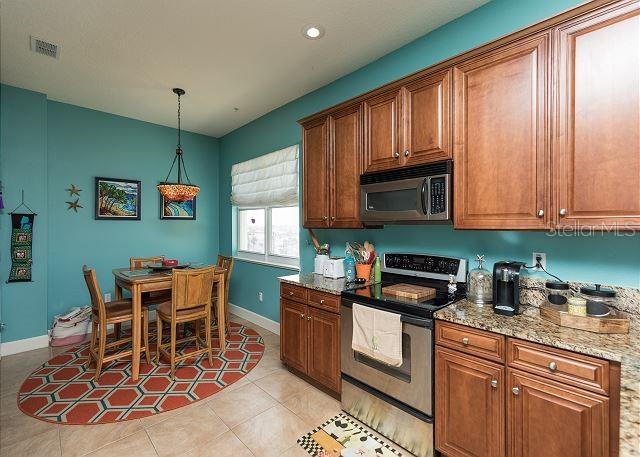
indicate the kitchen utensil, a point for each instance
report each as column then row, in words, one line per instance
column 410, row 291
column 480, row 284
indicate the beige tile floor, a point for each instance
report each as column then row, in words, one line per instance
column 261, row 415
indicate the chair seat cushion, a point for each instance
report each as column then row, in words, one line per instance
column 164, row 309
column 119, row 308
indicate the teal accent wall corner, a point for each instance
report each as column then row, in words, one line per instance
column 47, row 146
column 23, row 164
column 605, row 258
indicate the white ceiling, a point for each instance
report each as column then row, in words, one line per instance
column 124, row 56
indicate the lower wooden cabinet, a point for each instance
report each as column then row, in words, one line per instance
column 551, row 419
column 310, row 338
column 527, row 412
column 469, row 405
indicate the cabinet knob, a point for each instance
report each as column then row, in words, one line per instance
column 333, row 218
column 324, row 218
column 302, row 316
column 396, row 154
column 563, row 212
column 494, row 383
column 406, row 153
column 553, row 366
column 322, row 301
column 308, row 318
column 540, row 213
column 516, row 391
column 290, row 292
column 465, row 340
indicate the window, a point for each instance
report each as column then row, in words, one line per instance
column 269, row 234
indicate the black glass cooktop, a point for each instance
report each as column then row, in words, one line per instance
column 373, row 295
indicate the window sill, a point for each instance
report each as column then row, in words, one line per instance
column 268, row 264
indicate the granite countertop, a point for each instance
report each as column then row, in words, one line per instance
column 319, row 282
column 623, row 348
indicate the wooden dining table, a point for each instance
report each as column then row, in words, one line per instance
column 154, row 281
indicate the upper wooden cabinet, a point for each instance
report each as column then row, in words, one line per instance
column 426, row 119
column 332, row 157
column 409, row 125
column 597, row 145
column 502, row 138
column 381, row 131
column 315, row 173
column 345, row 152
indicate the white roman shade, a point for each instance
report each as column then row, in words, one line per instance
column 268, row 180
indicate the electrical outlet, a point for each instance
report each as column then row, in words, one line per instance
column 543, row 260
column 260, row 296
column 107, row 297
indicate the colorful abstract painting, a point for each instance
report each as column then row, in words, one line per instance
column 171, row 209
column 117, row 199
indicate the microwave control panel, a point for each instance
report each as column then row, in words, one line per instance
column 438, row 193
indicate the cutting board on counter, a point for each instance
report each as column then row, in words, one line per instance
column 410, row 291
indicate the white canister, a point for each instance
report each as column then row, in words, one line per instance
column 318, row 264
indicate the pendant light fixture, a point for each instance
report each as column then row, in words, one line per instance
column 178, row 191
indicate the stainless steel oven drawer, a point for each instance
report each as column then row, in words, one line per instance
column 401, row 427
column 410, row 383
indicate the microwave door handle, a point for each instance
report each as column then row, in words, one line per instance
column 423, row 196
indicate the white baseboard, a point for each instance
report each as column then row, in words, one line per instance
column 255, row 318
column 27, row 344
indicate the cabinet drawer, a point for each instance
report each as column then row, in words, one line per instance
column 325, row 301
column 291, row 292
column 470, row 340
column 564, row 366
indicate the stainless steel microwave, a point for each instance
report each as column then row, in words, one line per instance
column 419, row 194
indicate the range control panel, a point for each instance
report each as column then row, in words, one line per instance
column 425, row 265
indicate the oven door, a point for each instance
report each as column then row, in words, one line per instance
column 411, row 383
column 392, row 201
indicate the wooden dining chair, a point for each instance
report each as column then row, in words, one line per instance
column 103, row 314
column 226, row 263
column 190, row 302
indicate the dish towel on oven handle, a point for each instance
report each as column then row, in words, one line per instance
column 377, row 334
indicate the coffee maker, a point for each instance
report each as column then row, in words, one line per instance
column 506, row 287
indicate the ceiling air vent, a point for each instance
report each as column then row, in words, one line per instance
column 44, row 47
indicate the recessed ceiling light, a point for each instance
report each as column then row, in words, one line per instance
column 313, row 31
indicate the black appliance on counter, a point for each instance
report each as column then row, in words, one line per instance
column 506, row 287
column 398, row 401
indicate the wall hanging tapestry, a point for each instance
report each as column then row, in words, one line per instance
column 21, row 242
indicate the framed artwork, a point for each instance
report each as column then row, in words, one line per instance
column 171, row 209
column 117, row 199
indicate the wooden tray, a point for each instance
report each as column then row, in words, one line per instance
column 410, row 291
column 615, row 322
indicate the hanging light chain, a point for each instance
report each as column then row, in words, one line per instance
column 178, row 121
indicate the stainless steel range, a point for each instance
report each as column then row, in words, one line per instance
column 398, row 401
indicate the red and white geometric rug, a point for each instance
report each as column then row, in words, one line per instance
column 63, row 391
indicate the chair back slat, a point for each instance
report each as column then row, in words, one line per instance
column 191, row 288
column 97, row 303
column 138, row 263
column 226, row 263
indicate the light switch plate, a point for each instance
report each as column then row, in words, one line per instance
column 107, row 297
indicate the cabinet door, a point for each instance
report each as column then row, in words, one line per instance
column 324, row 348
column 427, row 130
column 551, row 419
column 381, row 127
column 345, row 138
column 598, row 114
column 502, row 141
column 315, row 174
column 469, row 405
column 293, row 334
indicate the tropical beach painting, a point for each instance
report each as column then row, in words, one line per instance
column 171, row 209
column 117, row 199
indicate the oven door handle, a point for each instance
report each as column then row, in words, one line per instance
column 418, row 321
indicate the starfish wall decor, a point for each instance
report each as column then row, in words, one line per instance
column 73, row 190
column 74, row 205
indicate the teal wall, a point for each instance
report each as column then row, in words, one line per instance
column 23, row 164
column 605, row 258
column 46, row 146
